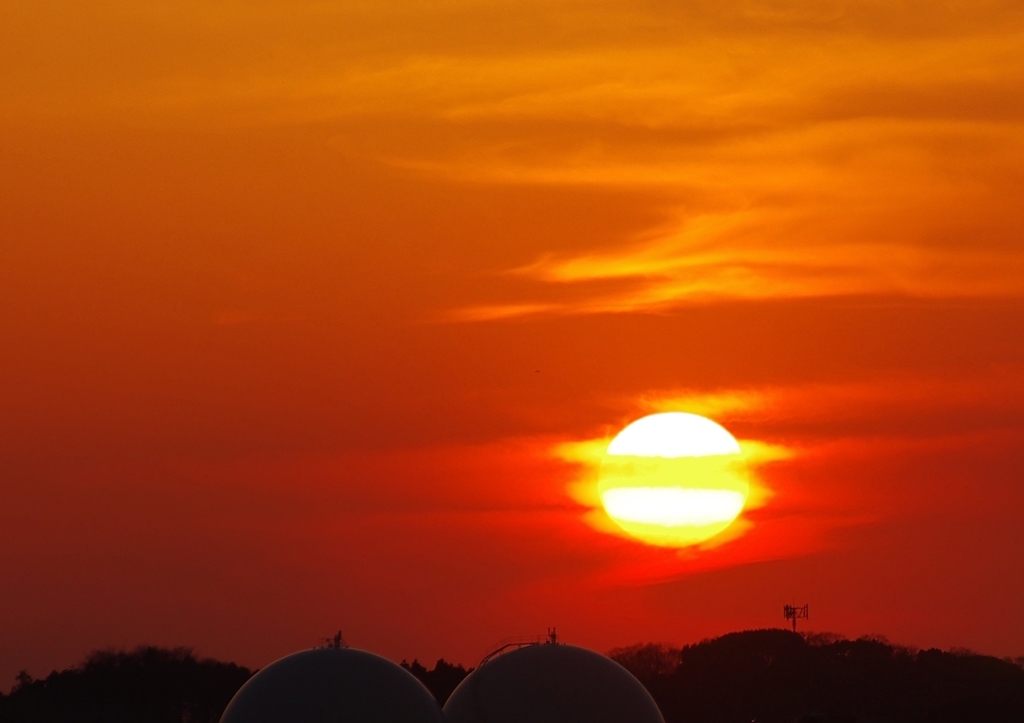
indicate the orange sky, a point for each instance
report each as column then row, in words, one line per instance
column 306, row 305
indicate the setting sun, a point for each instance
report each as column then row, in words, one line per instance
column 442, row 322
column 673, row 479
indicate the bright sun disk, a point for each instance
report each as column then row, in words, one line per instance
column 673, row 479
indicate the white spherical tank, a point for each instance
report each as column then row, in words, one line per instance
column 332, row 685
column 551, row 684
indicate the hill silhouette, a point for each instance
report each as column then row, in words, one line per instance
column 766, row 676
column 777, row 676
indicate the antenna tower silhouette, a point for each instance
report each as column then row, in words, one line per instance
column 792, row 612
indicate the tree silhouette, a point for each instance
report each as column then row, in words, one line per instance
column 777, row 675
column 649, row 662
column 146, row 685
column 765, row 676
column 440, row 681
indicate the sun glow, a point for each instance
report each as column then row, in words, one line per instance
column 673, row 479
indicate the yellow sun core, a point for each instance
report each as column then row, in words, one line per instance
column 673, row 479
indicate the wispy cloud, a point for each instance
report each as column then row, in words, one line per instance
column 670, row 272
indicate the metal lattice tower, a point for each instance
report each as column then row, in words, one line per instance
column 792, row 612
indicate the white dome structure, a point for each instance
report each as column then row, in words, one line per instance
column 551, row 684
column 333, row 685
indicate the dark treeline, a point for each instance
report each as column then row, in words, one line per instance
column 156, row 685
column 776, row 676
column 768, row 676
column 146, row 685
column 440, row 681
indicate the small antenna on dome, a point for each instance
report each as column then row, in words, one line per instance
column 552, row 637
column 337, row 642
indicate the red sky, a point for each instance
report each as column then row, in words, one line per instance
column 307, row 304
